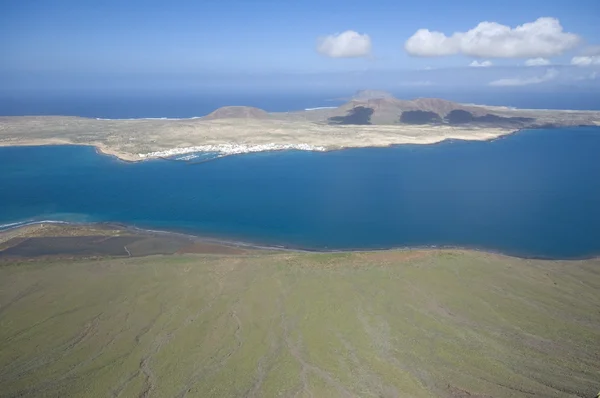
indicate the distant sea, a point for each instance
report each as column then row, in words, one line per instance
column 535, row 193
column 153, row 105
column 186, row 105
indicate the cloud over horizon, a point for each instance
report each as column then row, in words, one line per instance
column 550, row 74
column 348, row 44
column 537, row 62
column 416, row 83
column 584, row 60
column 542, row 38
column 591, row 56
column 482, row 64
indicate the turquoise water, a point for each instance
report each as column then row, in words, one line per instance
column 534, row 193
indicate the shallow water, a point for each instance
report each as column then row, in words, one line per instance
column 534, row 193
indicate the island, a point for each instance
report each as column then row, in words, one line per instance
column 369, row 119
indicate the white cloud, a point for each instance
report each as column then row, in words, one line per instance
column 537, row 62
column 348, row 44
column 590, row 56
column 585, row 60
column 550, row 74
column 541, row 38
column 482, row 64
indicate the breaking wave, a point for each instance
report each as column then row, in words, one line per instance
column 153, row 118
column 320, row 107
column 18, row 224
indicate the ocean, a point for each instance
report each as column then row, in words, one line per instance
column 128, row 105
column 153, row 105
column 535, row 193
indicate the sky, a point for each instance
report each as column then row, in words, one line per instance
column 506, row 43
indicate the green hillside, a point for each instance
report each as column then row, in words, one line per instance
column 382, row 324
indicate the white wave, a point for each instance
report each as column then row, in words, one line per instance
column 320, row 107
column 153, row 118
column 13, row 224
column 30, row 222
column 188, row 157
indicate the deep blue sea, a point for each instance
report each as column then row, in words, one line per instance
column 534, row 193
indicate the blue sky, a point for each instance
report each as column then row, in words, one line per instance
column 238, row 38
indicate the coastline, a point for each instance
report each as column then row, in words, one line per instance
column 253, row 246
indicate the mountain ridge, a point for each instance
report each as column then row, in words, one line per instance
column 374, row 107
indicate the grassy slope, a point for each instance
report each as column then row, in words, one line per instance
column 417, row 324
